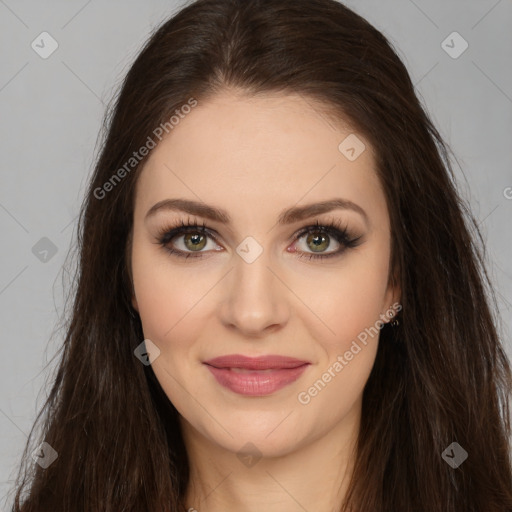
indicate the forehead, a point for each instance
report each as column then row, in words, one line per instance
column 260, row 155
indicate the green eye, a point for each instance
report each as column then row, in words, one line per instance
column 194, row 241
column 320, row 242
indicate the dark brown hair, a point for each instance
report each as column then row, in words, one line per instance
column 441, row 377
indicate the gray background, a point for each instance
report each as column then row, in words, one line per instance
column 51, row 113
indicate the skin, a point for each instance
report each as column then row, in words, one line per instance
column 255, row 157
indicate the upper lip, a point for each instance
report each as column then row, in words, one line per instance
column 271, row 362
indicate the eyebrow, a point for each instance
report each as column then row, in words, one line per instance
column 287, row 216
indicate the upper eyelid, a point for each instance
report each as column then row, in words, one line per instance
column 337, row 225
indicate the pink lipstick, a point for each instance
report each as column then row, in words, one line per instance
column 256, row 376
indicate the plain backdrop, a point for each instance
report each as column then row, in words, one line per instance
column 52, row 110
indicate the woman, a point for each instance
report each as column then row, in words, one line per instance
column 279, row 304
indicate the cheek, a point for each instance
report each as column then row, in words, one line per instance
column 169, row 304
column 347, row 299
column 169, row 299
column 167, row 296
column 350, row 306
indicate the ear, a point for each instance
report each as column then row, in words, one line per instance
column 134, row 303
column 392, row 299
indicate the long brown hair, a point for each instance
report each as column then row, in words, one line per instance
column 441, row 377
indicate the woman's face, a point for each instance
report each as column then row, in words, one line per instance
column 257, row 172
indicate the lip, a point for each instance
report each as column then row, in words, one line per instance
column 256, row 376
column 270, row 362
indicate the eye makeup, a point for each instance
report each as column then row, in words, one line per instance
column 327, row 231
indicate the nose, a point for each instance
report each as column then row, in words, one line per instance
column 255, row 299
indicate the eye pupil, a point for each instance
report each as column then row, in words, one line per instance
column 319, row 242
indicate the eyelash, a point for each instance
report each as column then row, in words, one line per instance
column 332, row 228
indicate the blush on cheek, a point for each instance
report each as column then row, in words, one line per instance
column 345, row 316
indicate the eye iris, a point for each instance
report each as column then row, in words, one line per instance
column 195, row 239
column 319, row 241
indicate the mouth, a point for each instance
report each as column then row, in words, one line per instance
column 256, row 376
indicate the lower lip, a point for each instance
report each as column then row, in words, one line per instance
column 256, row 383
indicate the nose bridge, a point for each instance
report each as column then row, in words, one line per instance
column 255, row 299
